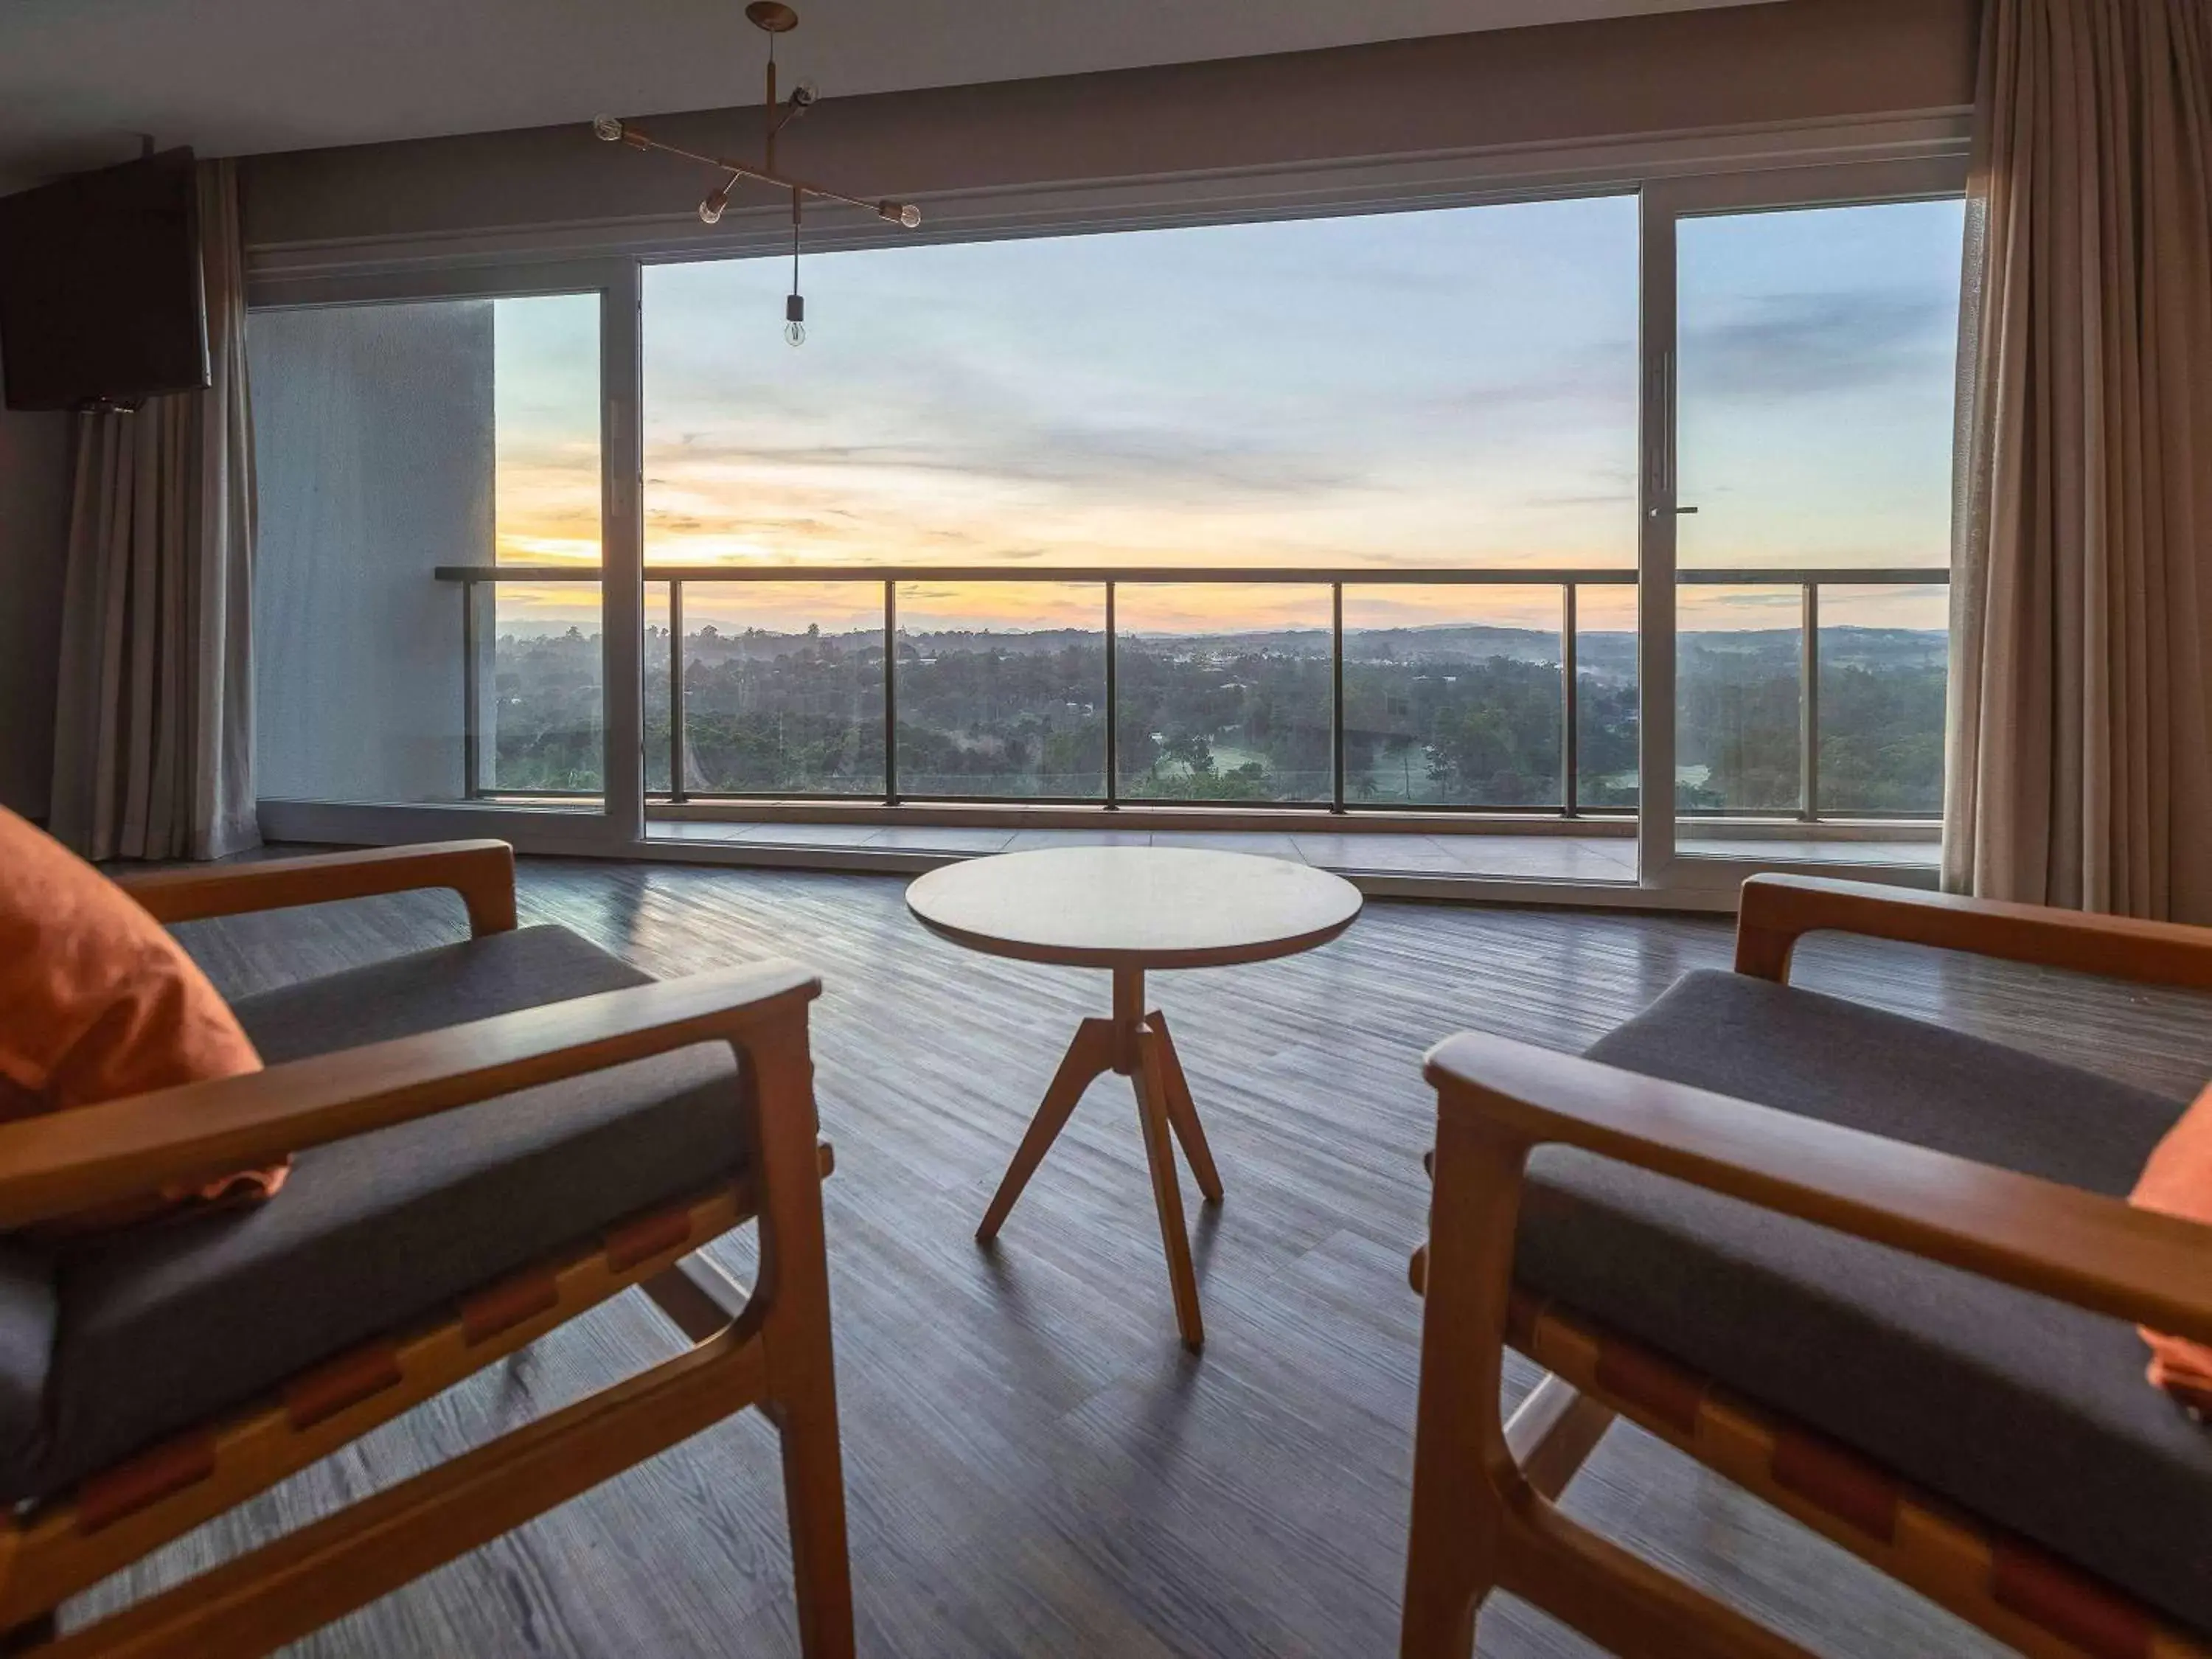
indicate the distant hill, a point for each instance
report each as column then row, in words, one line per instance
column 1604, row 654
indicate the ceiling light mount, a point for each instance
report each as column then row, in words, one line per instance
column 773, row 18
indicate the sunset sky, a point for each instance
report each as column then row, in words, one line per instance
column 1432, row 388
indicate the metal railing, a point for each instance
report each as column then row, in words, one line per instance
column 1568, row 581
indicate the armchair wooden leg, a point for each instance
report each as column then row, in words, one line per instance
column 1088, row 1057
column 801, row 1378
column 814, row 1502
column 1464, row 1470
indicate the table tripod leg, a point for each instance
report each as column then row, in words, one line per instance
column 1182, row 1112
column 1090, row 1055
column 1150, row 1079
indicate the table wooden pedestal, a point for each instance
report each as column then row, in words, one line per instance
column 1137, row 1045
column 1128, row 909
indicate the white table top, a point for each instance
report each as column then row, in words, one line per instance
column 1134, row 907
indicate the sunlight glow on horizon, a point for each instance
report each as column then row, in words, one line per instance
column 1438, row 387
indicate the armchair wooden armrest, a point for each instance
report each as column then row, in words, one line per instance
column 481, row 872
column 1778, row 910
column 2083, row 1248
column 65, row 1162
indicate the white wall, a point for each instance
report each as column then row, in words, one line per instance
column 34, row 484
column 373, row 437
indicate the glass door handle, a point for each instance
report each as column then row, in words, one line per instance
column 1685, row 509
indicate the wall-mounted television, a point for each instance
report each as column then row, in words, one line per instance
column 100, row 298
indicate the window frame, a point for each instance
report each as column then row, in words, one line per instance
column 1914, row 158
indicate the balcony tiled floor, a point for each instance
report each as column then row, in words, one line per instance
column 1585, row 858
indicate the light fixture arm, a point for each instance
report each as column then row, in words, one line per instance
column 898, row 213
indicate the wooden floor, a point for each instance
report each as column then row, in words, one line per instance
column 1035, row 1465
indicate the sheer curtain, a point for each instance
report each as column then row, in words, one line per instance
column 154, row 726
column 2080, row 746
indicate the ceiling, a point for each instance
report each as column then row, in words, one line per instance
column 78, row 78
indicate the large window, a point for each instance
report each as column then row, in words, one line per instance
column 1333, row 513
column 1404, row 392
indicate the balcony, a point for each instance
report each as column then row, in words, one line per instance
column 1423, row 700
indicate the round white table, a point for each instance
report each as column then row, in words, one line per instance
column 1126, row 910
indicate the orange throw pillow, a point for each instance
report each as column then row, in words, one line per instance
column 98, row 1001
column 2177, row 1181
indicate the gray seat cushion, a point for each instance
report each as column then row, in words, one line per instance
column 161, row 1326
column 403, row 996
column 28, row 1312
column 2030, row 1413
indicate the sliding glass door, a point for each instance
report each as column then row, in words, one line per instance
column 1801, row 364
column 436, row 635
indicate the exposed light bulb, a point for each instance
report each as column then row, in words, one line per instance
column 807, row 92
column 900, row 213
column 795, row 312
column 795, row 334
column 607, row 128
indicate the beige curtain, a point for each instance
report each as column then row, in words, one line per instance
column 153, row 728
column 2081, row 756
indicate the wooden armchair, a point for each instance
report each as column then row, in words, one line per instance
column 1896, row 1299
column 459, row 1190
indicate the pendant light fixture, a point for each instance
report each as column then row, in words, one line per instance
column 772, row 18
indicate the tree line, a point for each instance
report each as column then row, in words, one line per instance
column 1432, row 717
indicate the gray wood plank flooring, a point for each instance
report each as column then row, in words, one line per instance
column 1034, row 1464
